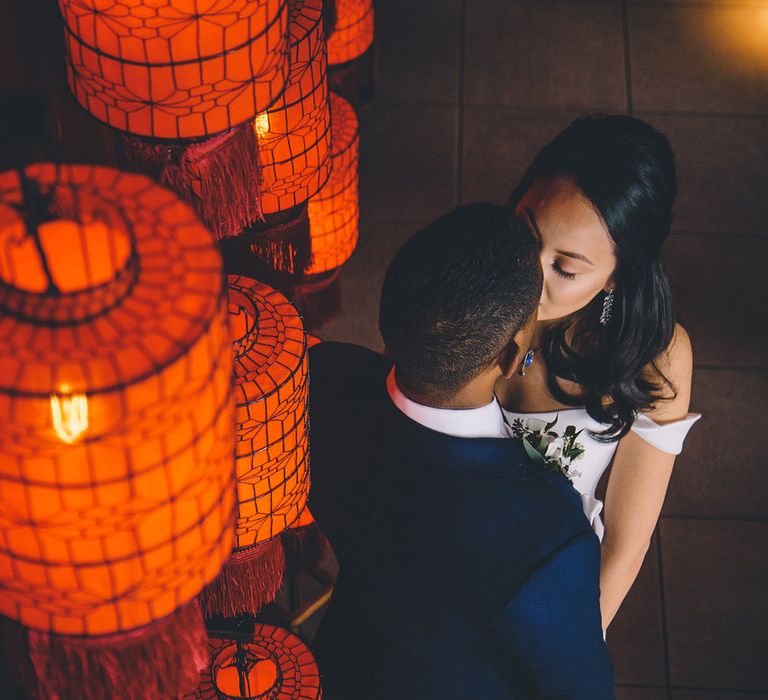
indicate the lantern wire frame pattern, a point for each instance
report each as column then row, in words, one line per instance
column 272, row 663
column 116, row 414
column 353, row 33
column 271, row 461
column 271, row 411
column 295, row 133
column 334, row 213
column 165, row 69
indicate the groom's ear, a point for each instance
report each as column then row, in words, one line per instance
column 510, row 359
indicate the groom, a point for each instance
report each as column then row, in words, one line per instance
column 466, row 570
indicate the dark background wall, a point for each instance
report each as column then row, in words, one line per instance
column 466, row 91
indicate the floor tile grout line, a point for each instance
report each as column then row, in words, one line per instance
column 713, row 518
column 570, row 109
column 681, row 233
column 722, row 689
column 610, row 109
column 459, row 172
column 692, row 233
column 655, row 686
column 761, row 116
column 729, row 368
column 663, row 610
column 627, row 58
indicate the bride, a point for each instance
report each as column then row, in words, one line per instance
column 607, row 356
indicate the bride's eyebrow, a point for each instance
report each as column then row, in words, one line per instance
column 577, row 256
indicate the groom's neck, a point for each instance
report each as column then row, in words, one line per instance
column 474, row 394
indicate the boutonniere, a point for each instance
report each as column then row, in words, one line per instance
column 546, row 447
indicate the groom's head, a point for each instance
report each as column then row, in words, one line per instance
column 457, row 296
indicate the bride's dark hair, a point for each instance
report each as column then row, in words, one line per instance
column 626, row 169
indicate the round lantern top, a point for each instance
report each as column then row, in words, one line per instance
column 270, row 342
column 175, row 69
column 105, row 278
column 273, row 663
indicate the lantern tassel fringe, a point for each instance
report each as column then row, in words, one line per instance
column 276, row 253
column 218, row 176
column 285, row 247
column 161, row 660
column 247, row 582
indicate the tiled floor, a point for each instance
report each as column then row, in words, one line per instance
column 466, row 92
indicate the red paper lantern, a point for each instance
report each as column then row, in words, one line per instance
column 271, row 663
column 182, row 79
column 272, row 443
column 116, row 425
column 294, row 134
column 334, row 212
column 353, row 33
column 175, row 69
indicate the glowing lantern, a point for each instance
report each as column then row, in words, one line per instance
column 271, row 447
column 334, row 212
column 353, row 33
column 175, row 69
column 181, row 80
column 272, row 663
column 116, row 428
column 294, row 134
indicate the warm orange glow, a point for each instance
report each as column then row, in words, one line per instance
column 271, row 450
column 271, row 663
column 64, row 242
column 334, row 212
column 354, row 31
column 294, row 152
column 116, row 412
column 257, row 677
column 739, row 39
column 70, row 415
column 175, row 68
column 261, row 124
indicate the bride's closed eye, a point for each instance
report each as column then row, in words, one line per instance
column 562, row 273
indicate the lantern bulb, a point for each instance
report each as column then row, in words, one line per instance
column 261, row 124
column 70, row 416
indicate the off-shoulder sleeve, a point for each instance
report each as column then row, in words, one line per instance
column 668, row 437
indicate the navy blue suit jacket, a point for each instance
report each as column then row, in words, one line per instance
column 465, row 570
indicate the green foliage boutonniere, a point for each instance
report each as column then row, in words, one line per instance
column 546, row 447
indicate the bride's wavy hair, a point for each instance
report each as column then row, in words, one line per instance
column 626, row 169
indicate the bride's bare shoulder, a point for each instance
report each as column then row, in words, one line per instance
column 673, row 370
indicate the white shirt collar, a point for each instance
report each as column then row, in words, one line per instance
column 483, row 422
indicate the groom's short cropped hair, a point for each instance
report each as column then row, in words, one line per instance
column 456, row 294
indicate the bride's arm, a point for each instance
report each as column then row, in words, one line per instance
column 637, row 486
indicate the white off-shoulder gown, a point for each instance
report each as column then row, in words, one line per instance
column 586, row 471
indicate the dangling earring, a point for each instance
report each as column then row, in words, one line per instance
column 527, row 361
column 607, row 312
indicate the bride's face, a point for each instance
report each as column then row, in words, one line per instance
column 577, row 252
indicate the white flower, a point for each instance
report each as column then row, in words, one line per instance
column 536, row 425
column 555, row 449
